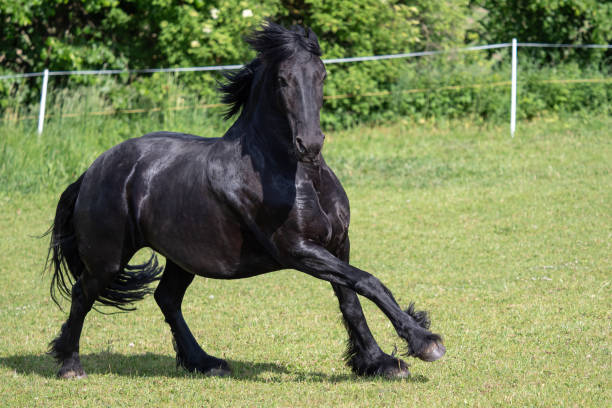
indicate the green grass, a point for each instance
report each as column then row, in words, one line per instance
column 508, row 243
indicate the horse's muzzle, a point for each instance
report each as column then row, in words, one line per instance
column 308, row 151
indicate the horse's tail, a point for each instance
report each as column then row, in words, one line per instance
column 128, row 286
column 63, row 256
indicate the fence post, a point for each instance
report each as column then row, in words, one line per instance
column 43, row 101
column 513, row 97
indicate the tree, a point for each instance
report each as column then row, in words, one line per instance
column 550, row 21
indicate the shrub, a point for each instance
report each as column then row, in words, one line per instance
column 551, row 21
column 68, row 35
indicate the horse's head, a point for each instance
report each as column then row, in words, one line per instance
column 286, row 78
column 299, row 80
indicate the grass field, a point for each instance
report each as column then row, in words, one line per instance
column 507, row 242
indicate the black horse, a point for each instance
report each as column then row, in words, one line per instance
column 259, row 199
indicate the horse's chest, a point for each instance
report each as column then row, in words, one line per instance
column 313, row 222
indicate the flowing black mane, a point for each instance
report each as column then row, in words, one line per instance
column 273, row 44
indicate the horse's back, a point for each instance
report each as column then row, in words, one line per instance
column 144, row 156
column 177, row 136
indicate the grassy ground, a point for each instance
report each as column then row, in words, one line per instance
column 508, row 243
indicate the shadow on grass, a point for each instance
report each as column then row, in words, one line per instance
column 156, row 365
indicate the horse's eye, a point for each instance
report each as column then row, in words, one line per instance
column 282, row 82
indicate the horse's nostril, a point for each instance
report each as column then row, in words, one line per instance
column 300, row 145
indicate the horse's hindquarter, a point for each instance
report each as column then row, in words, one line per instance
column 154, row 191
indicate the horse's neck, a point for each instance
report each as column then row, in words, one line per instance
column 263, row 127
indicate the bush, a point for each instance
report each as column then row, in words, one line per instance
column 551, row 21
column 552, row 90
column 456, row 85
column 462, row 85
column 73, row 35
column 93, row 34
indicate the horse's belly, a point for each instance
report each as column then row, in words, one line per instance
column 211, row 245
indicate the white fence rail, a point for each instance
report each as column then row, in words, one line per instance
column 513, row 45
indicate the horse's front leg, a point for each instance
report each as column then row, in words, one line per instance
column 409, row 325
column 363, row 355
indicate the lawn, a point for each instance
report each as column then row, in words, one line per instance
column 506, row 241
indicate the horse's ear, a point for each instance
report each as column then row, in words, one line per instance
column 313, row 41
column 312, row 36
column 305, row 32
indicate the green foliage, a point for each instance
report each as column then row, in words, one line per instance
column 64, row 35
column 94, row 34
column 72, row 35
column 472, row 85
column 551, row 89
column 454, row 86
column 551, row 21
column 68, row 35
column 443, row 23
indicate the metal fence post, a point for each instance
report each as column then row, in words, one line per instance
column 513, row 97
column 43, row 101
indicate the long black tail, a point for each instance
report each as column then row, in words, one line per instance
column 63, row 256
column 128, row 286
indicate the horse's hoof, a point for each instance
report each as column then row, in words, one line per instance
column 71, row 374
column 384, row 366
column 433, row 352
column 399, row 372
column 71, row 368
column 218, row 372
column 395, row 368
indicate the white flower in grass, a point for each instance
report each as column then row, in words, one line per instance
column 195, row 44
column 207, row 30
column 246, row 13
column 214, row 13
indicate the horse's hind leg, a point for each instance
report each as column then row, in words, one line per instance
column 363, row 354
column 169, row 296
column 65, row 347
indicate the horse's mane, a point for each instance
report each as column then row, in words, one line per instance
column 273, row 44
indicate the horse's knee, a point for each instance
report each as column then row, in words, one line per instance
column 370, row 286
column 162, row 299
column 167, row 300
column 349, row 302
column 171, row 288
